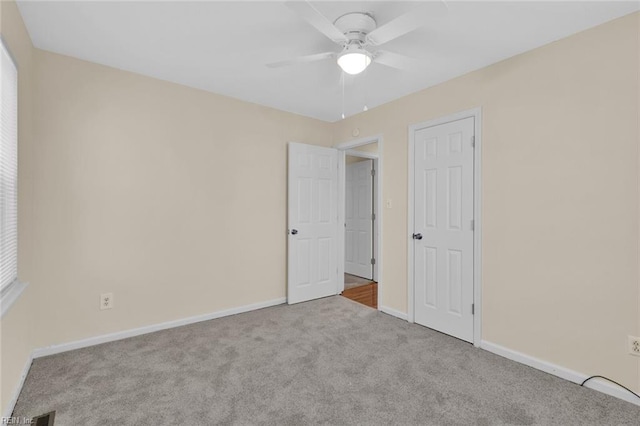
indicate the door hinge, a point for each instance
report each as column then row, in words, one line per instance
column 473, row 309
column 373, row 261
column 373, row 172
column 373, row 216
column 473, row 225
column 473, row 141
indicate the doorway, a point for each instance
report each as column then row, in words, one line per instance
column 359, row 227
column 360, row 219
column 316, row 219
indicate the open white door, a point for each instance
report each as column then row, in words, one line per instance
column 312, row 222
column 359, row 219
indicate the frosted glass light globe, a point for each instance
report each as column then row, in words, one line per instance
column 354, row 60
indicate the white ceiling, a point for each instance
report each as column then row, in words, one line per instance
column 223, row 46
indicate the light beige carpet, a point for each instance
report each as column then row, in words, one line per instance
column 330, row 361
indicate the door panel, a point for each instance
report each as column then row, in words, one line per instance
column 359, row 225
column 313, row 214
column 443, row 214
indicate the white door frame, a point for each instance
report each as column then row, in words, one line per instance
column 476, row 113
column 345, row 148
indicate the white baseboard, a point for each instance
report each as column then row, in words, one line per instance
column 562, row 372
column 92, row 341
column 16, row 393
column 393, row 312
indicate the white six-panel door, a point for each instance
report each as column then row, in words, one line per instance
column 312, row 222
column 443, row 227
column 358, row 219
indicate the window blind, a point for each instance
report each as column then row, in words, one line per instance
column 8, row 170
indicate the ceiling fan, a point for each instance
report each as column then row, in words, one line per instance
column 358, row 32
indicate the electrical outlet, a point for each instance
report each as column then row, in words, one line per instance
column 106, row 301
column 634, row 345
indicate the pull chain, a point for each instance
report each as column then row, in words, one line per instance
column 365, row 81
column 343, row 94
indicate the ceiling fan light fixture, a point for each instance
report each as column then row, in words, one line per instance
column 354, row 60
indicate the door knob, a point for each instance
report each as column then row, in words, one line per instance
column 417, row 236
column 294, row 231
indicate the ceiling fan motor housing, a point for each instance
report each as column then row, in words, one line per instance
column 355, row 26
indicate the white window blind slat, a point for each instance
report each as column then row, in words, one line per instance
column 8, row 170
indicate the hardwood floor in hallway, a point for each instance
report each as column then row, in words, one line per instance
column 366, row 294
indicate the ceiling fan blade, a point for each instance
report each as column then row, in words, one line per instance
column 317, row 19
column 398, row 61
column 406, row 23
column 302, row 59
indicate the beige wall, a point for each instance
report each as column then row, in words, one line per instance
column 172, row 198
column 16, row 325
column 370, row 147
column 560, row 196
column 349, row 159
